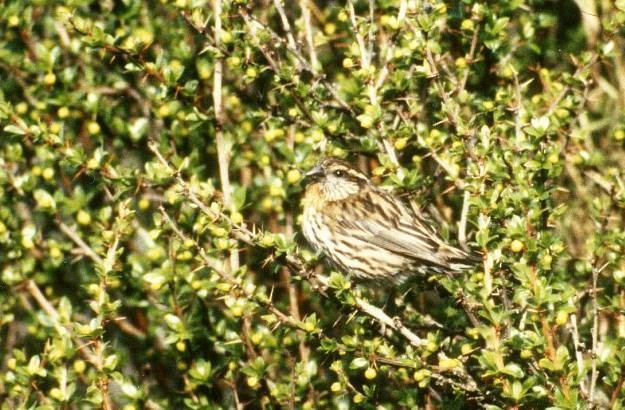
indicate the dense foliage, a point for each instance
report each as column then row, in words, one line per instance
column 150, row 163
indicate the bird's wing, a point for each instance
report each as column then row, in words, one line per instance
column 405, row 240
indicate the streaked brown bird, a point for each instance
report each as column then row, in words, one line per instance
column 367, row 232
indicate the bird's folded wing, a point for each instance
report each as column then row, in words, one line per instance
column 404, row 240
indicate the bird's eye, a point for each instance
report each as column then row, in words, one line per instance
column 339, row 173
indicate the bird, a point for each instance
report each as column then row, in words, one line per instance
column 367, row 232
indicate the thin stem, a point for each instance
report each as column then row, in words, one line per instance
column 595, row 334
column 223, row 148
column 312, row 52
column 462, row 224
column 73, row 235
column 578, row 352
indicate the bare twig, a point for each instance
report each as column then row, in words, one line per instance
column 312, row 52
column 41, row 300
column 462, row 224
column 364, row 54
column 223, row 149
column 554, row 104
column 470, row 57
column 285, row 23
column 73, row 235
column 578, row 351
column 595, row 332
column 450, row 107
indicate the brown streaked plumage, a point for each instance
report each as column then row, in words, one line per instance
column 366, row 232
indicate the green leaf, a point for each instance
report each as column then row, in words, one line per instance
column 358, row 363
column 14, row 129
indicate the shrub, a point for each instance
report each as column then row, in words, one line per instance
column 151, row 160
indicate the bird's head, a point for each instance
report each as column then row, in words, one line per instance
column 334, row 180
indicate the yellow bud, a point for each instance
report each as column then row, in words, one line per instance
column 56, row 393
column 266, row 204
column 561, row 318
column 55, row 128
column 236, row 218
column 181, row 346
column 143, row 204
column 466, row 348
column 267, row 240
column 163, row 111
column 467, row 25
column 358, row 398
column 49, row 79
column 21, row 108
column 461, row 62
column 447, row 363
column 273, row 134
column 83, row 217
column 317, row 135
column 293, row 176
column 226, row 37
column 63, row 112
column 370, row 373
column 222, row 244
column 93, row 127
column 252, row 381
column 48, row 173
column 204, row 73
column 275, row 190
column 546, row 260
column 309, row 327
column 619, row 135
column 400, row 144
column 13, row 21
column 553, row 158
column 219, row 232
column 421, row 374
column 55, row 253
column 348, row 63
column 237, row 311
column 154, row 253
column 366, row 120
column 336, row 387
column 256, row 338
column 516, row 246
column 93, row 163
column 80, row 366
column 251, row 72
column 488, row 105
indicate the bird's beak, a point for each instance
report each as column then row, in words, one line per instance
column 312, row 175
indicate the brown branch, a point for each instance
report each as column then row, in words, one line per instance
column 73, row 235
column 314, row 62
column 595, row 334
column 470, row 57
column 223, row 149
